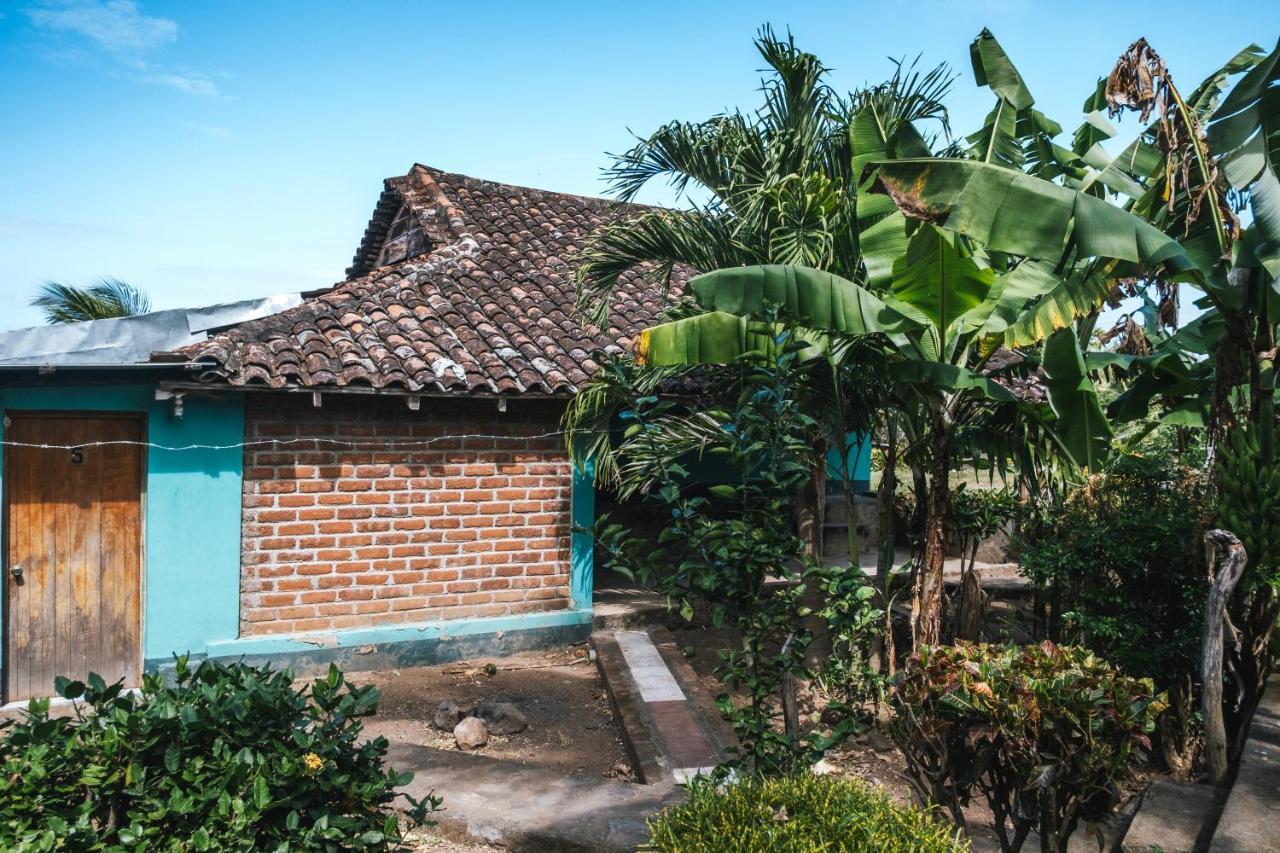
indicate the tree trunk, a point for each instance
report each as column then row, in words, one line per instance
column 971, row 603
column 883, row 651
column 1215, row 729
column 810, row 503
column 926, row 604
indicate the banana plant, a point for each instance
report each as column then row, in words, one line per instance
column 947, row 309
column 959, row 258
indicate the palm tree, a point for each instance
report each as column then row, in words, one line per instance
column 107, row 298
column 772, row 186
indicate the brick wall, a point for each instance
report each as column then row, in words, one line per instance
column 362, row 534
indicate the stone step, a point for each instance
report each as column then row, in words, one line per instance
column 615, row 608
column 1251, row 816
column 669, row 724
column 1176, row 817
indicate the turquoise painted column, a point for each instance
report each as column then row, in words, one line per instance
column 582, row 555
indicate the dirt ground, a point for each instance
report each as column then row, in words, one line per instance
column 429, row 841
column 570, row 728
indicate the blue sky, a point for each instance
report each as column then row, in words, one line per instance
column 220, row 150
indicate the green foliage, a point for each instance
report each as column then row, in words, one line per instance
column 730, row 547
column 224, row 758
column 777, row 182
column 978, row 514
column 1042, row 733
column 1250, row 504
column 107, row 298
column 797, row 814
column 854, row 620
column 1120, row 560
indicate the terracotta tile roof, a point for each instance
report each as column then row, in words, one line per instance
column 485, row 306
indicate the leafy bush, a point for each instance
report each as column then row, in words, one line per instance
column 722, row 544
column 1120, row 562
column 799, row 813
column 224, row 758
column 976, row 515
column 1042, row 733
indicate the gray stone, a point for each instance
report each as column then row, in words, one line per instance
column 449, row 714
column 471, row 733
column 1173, row 817
column 879, row 741
column 1252, row 812
column 530, row 807
column 502, row 718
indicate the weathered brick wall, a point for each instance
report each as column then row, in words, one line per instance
column 379, row 529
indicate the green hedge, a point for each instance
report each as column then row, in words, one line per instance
column 797, row 813
column 222, row 758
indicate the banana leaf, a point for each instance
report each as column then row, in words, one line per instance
column 715, row 338
column 815, row 298
column 1081, row 424
column 951, row 377
column 1246, row 129
column 941, row 281
column 1008, row 211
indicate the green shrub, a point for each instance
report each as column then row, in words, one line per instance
column 224, row 758
column 797, row 813
column 720, row 544
column 1042, row 733
column 1120, row 564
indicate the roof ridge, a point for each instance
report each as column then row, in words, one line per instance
column 435, row 172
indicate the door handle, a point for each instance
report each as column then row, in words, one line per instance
column 16, row 571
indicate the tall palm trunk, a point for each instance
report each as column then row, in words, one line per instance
column 810, row 505
column 926, row 616
column 884, row 654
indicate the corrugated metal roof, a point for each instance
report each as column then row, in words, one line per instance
column 131, row 340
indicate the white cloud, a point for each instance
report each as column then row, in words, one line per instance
column 114, row 25
column 183, row 83
column 215, row 130
column 121, row 31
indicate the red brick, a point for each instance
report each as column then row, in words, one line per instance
column 355, row 536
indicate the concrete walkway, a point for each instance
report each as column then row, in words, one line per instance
column 526, row 808
column 669, row 724
column 1251, row 818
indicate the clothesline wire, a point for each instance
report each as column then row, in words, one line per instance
column 317, row 443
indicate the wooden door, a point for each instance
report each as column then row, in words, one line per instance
column 73, row 551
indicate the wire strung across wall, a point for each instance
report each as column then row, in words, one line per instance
column 352, row 443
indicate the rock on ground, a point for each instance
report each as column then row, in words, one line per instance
column 502, row 718
column 449, row 714
column 471, row 733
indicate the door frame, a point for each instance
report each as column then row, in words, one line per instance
column 6, row 492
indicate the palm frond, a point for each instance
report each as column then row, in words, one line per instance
column 107, row 298
column 654, row 243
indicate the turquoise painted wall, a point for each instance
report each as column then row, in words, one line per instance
column 713, row 471
column 859, row 462
column 191, row 592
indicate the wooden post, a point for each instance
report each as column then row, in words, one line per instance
column 1215, row 729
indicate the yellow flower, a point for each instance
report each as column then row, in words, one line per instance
column 312, row 763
